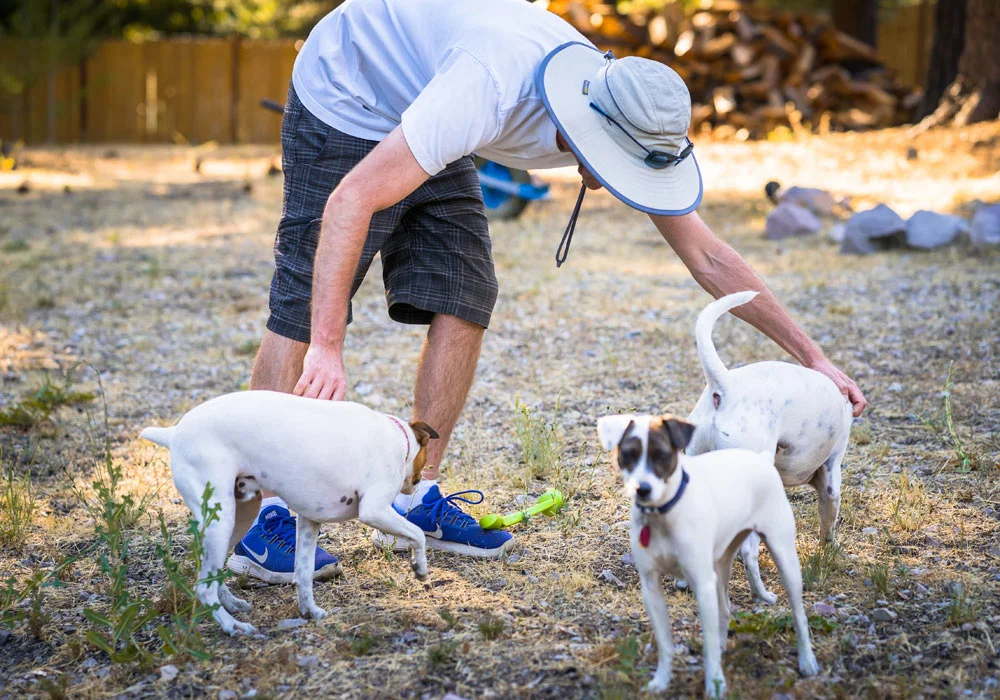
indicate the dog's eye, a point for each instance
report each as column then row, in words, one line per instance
column 627, row 458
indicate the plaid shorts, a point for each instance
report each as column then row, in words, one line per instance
column 435, row 244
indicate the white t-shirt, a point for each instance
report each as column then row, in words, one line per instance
column 459, row 75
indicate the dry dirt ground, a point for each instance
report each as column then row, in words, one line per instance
column 156, row 276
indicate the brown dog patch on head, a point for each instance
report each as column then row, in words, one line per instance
column 661, row 452
column 629, row 449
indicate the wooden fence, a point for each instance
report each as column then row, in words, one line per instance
column 193, row 90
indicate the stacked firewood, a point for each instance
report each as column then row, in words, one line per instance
column 751, row 69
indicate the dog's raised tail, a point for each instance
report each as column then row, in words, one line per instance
column 161, row 436
column 711, row 363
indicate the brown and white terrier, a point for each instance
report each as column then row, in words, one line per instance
column 329, row 460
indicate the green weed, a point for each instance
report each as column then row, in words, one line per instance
column 56, row 688
column 38, row 617
column 960, row 607
column 541, row 446
column 911, row 506
column 768, row 625
column 449, row 618
column 943, row 426
column 819, row 566
column 443, row 653
column 491, row 627
column 18, row 245
column 878, row 573
column 362, row 643
column 17, row 508
column 38, row 406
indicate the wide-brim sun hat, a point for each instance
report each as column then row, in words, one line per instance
column 626, row 120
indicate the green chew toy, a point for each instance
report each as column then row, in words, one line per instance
column 549, row 504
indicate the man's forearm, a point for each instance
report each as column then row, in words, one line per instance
column 342, row 238
column 727, row 272
column 720, row 270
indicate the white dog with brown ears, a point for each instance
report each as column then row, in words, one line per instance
column 689, row 517
column 794, row 413
column 329, row 460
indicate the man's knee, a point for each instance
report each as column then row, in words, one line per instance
column 278, row 364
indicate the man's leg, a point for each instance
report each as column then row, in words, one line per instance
column 277, row 368
column 445, row 373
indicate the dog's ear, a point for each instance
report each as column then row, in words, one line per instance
column 680, row 431
column 611, row 430
column 423, row 432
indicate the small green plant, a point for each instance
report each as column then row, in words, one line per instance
column 180, row 635
column 911, row 506
column 541, row 446
column 449, row 618
column 767, row 625
column 38, row 406
column 943, row 426
column 17, row 508
column 862, row 434
column 18, row 245
column 819, row 566
column 878, row 573
column 362, row 643
column 627, row 658
column 491, row 627
column 443, row 653
column 38, row 616
column 56, row 688
column 960, row 607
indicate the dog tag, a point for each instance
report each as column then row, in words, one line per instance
column 644, row 536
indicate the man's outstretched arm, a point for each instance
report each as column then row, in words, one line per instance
column 720, row 270
column 383, row 178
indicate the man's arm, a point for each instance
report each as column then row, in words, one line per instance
column 720, row 270
column 383, row 178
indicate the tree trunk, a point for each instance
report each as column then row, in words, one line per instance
column 859, row 18
column 974, row 95
column 949, row 39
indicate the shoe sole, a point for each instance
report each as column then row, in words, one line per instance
column 245, row 565
column 381, row 539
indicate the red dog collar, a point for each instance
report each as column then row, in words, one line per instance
column 406, row 435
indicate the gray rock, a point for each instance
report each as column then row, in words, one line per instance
column 985, row 228
column 789, row 220
column 228, row 695
column 928, row 229
column 819, row 202
column 168, row 672
column 883, row 614
column 873, row 230
column 5, row 636
column 291, row 623
column 836, row 232
column 869, row 531
column 609, row 576
column 824, row 609
column 306, row 661
column 628, row 559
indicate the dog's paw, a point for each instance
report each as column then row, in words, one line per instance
column 658, row 685
column 808, row 666
column 241, row 628
column 313, row 612
column 419, row 570
column 765, row 596
column 715, row 687
column 235, row 605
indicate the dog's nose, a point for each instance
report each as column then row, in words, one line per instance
column 643, row 490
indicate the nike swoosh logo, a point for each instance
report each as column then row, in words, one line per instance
column 437, row 534
column 261, row 558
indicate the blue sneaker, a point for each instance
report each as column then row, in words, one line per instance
column 449, row 529
column 267, row 551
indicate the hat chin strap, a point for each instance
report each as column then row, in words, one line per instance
column 562, row 252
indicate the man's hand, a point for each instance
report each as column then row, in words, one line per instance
column 846, row 385
column 322, row 375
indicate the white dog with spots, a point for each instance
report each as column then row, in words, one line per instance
column 689, row 516
column 329, row 460
column 794, row 413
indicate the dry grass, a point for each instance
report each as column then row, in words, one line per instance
column 158, row 277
